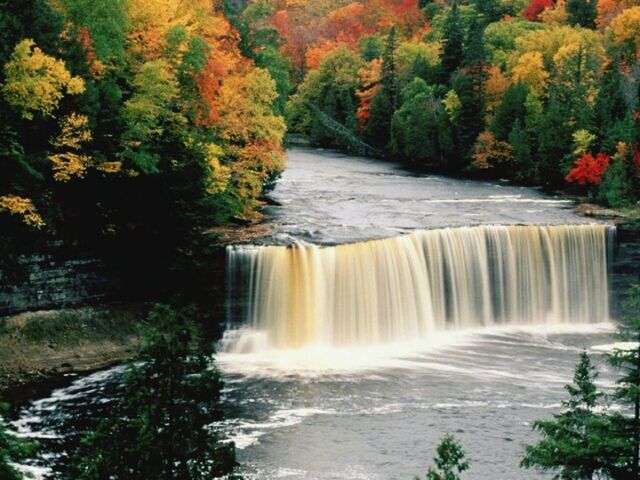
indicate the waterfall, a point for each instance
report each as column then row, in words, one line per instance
column 405, row 287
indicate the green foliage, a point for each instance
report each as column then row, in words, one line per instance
column 627, row 392
column 511, row 109
column 148, row 112
column 12, row 449
column 420, row 131
column 582, row 12
column 500, row 38
column 450, row 460
column 618, row 188
column 520, row 141
column 453, row 32
column 279, row 67
column 371, row 47
column 162, row 426
column 578, row 443
column 332, row 89
column 107, row 22
column 137, row 182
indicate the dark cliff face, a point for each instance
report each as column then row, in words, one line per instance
column 625, row 264
column 55, row 280
column 60, row 278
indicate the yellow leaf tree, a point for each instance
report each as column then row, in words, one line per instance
column 36, row 82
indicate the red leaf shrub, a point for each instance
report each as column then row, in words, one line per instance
column 535, row 8
column 588, row 170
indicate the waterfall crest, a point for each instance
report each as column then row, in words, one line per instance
column 405, row 287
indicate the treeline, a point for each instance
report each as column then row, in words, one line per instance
column 544, row 92
column 131, row 127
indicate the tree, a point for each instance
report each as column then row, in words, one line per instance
column 420, row 129
column 453, row 33
column 148, row 113
column 582, row 12
column 536, row 8
column 511, row 109
column 490, row 153
column 12, row 449
column 161, row 426
column 526, row 169
column 530, row 71
column 578, row 443
column 624, row 31
column 628, row 390
column 491, row 10
column 450, row 460
column 588, row 170
column 36, row 82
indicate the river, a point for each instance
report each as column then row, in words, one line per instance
column 479, row 347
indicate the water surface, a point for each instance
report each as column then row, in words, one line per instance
column 328, row 197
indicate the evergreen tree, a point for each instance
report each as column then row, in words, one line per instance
column 12, row 449
column 582, row 12
column 384, row 104
column 554, row 142
column 628, row 389
column 578, row 443
column 611, row 108
column 491, row 10
column 160, row 428
column 453, row 34
column 469, row 84
column 450, row 460
column 389, row 75
column 526, row 168
column 511, row 109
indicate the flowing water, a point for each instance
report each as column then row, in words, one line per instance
column 385, row 309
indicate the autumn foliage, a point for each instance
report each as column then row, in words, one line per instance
column 133, row 122
column 589, row 170
column 536, row 8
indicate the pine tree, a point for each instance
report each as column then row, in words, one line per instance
column 578, row 443
column 384, row 104
column 12, row 449
column 389, row 76
column 491, row 10
column 160, row 428
column 469, row 84
column 582, row 12
column 526, row 168
column 628, row 360
column 450, row 460
column 453, row 43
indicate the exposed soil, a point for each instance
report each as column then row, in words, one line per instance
column 40, row 349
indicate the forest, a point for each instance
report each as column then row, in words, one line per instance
column 133, row 132
column 539, row 92
column 129, row 127
column 136, row 131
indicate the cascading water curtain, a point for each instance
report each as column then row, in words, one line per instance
column 405, row 287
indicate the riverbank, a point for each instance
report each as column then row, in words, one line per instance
column 40, row 350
